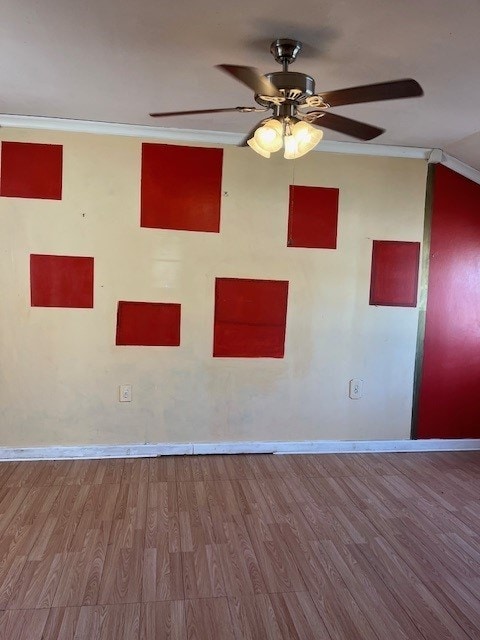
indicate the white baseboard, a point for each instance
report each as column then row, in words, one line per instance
column 203, row 448
column 93, row 452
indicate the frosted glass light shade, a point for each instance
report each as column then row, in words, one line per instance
column 291, row 147
column 306, row 136
column 269, row 136
column 299, row 138
column 253, row 144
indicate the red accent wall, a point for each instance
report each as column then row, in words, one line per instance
column 394, row 277
column 31, row 170
column 449, row 401
column 181, row 187
column 250, row 318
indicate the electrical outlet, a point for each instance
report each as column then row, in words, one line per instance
column 125, row 394
column 355, row 390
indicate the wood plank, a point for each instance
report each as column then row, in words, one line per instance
column 241, row 571
column 162, row 562
column 420, row 603
column 23, row 625
column 121, row 622
column 121, row 580
column 367, row 546
column 109, row 471
column 278, row 616
column 208, row 618
column 53, row 472
column 279, row 569
column 163, row 621
column 162, row 469
column 37, row 583
column 61, row 623
column 82, row 471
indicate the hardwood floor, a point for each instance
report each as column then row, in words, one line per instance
column 337, row 547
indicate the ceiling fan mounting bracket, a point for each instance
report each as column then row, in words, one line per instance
column 285, row 51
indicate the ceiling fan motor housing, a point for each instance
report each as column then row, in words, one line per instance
column 296, row 87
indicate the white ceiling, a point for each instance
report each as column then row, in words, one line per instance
column 117, row 60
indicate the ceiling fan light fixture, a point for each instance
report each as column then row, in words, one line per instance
column 270, row 136
column 307, row 135
column 290, row 147
column 295, row 136
column 253, row 144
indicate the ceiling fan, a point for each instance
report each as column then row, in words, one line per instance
column 296, row 107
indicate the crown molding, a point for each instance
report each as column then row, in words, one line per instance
column 370, row 149
column 118, row 129
column 433, row 156
column 200, row 136
column 460, row 167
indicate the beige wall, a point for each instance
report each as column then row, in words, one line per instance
column 60, row 368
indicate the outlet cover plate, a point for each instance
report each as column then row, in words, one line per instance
column 125, row 393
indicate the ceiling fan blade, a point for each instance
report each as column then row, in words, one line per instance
column 354, row 128
column 393, row 90
column 252, row 78
column 165, row 114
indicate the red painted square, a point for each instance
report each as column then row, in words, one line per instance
column 31, row 170
column 313, row 217
column 394, row 278
column 148, row 324
column 250, row 318
column 181, row 187
column 61, row 281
